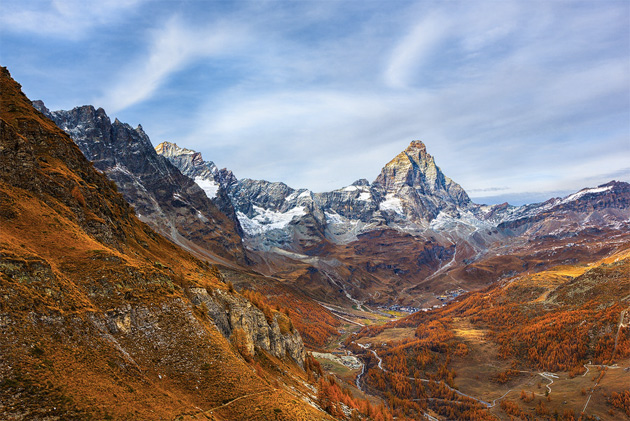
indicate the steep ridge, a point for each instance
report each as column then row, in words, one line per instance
column 206, row 174
column 422, row 189
column 169, row 202
column 103, row 318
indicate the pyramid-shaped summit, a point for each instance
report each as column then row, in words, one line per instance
column 415, row 167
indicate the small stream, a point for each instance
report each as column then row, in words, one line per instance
column 358, row 380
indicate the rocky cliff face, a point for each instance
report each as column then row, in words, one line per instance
column 234, row 315
column 213, row 181
column 168, row 201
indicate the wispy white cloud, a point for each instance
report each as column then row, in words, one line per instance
column 526, row 95
column 413, row 50
column 62, row 18
column 171, row 48
column 504, row 98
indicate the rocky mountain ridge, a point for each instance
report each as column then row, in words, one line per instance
column 411, row 191
column 411, row 231
column 171, row 203
column 411, row 194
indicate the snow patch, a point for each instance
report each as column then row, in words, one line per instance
column 203, row 218
column 441, row 221
column 576, row 196
column 365, row 196
column 266, row 220
column 391, row 203
column 122, row 169
column 333, row 218
column 305, row 193
column 350, row 188
column 209, row 186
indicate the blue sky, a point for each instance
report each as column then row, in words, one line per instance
column 516, row 100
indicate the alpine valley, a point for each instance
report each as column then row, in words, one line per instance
column 146, row 283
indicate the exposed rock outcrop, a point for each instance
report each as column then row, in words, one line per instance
column 206, row 174
column 231, row 312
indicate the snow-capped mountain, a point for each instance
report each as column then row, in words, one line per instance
column 409, row 234
column 205, row 174
column 410, row 192
column 411, row 224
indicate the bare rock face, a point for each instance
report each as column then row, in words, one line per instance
column 233, row 315
column 206, row 174
column 423, row 189
column 162, row 196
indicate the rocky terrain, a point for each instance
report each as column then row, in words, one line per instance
column 103, row 318
column 169, row 202
column 410, row 192
column 406, row 238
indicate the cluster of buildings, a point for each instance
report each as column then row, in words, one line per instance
column 444, row 298
column 403, row 309
column 451, row 295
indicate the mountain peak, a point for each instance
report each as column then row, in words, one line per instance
column 416, row 145
column 189, row 159
column 417, row 153
column 413, row 167
column 39, row 105
column 361, row 182
column 168, row 149
column 413, row 172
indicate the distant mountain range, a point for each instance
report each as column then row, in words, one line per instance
column 407, row 237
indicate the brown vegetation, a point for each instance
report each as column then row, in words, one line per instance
column 95, row 317
column 575, row 322
column 621, row 401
